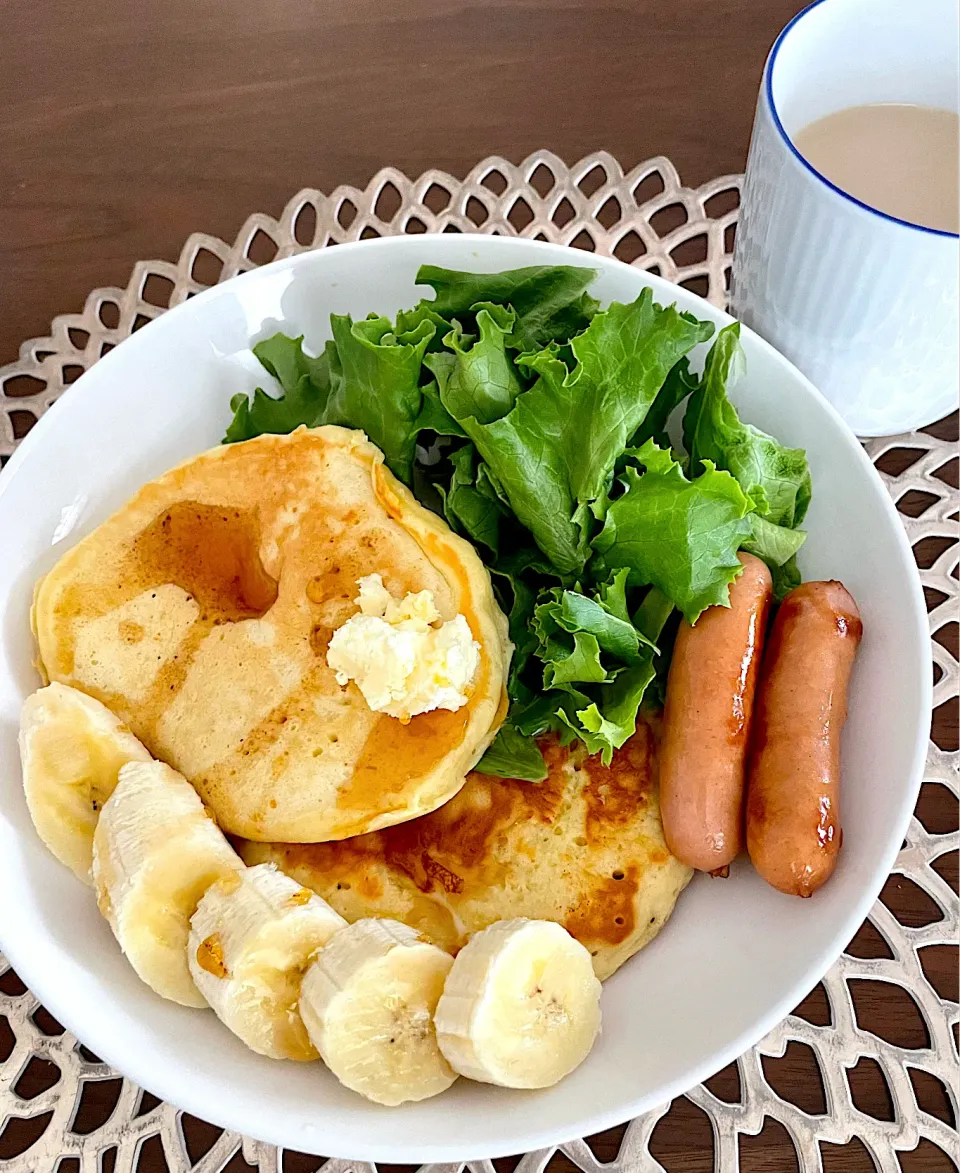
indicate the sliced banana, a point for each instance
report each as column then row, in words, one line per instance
column 156, row 851
column 368, row 1002
column 72, row 748
column 251, row 939
column 521, row 1007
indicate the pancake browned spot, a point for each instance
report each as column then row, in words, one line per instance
column 131, row 633
column 605, row 913
column 585, row 848
column 613, row 793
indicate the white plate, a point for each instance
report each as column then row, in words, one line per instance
column 735, row 957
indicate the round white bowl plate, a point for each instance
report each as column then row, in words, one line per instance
column 735, row 957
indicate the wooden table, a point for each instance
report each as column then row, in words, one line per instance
column 126, row 126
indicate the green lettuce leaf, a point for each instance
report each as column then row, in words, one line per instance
column 524, row 560
column 785, row 578
column 652, row 614
column 513, row 756
column 585, row 695
column 522, row 636
column 553, row 447
column 573, row 612
column 469, row 505
column 482, row 379
column 287, row 361
column 550, row 301
column 580, row 666
column 368, row 377
column 305, row 382
column 525, row 465
column 538, row 714
column 775, row 544
column 553, row 642
column 678, row 385
column 434, row 417
column 621, row 361
column 712, row 431
column 377, row 385
column 601, row 714
column 612, row 594
column 408, row 321
column 607, row 723
column 679, row 535
column 552, row 712
column 520, row 568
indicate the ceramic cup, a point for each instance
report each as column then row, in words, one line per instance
column 865, row 304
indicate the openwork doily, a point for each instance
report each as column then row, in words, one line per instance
column 647, row 218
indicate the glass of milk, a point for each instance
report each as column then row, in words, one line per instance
column 847, row 249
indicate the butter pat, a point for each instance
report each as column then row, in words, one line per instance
column 399, row 654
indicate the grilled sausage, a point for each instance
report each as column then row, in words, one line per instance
column 706, row 723
column 793, row 819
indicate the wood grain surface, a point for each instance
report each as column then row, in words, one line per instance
column 126, row 126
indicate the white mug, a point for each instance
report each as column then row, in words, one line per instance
column 866, row 305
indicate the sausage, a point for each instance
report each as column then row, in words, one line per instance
column 793, row 817
column 706, row 723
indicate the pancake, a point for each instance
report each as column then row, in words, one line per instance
column 200, row 614
column 585, row 848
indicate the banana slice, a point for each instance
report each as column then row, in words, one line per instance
column 72, row 748
column 521, row 1007
column 156, row 851
column 368, row 1002
column 251, row 939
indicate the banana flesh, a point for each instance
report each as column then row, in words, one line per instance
column 368, row 1001
column 251, row 939
column 156, row 851
column 72, row 748
column 521, row 1006
column 394, row 1017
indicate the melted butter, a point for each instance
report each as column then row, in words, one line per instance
column 213, row 553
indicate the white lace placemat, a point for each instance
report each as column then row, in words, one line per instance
column 645, row 217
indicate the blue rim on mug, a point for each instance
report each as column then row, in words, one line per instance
column 768, row 91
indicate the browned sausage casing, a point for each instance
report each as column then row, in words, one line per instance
column 793, row 818
column 706, row 723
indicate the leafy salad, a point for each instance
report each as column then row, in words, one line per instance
column 535, row 422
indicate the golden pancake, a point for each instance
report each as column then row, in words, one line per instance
column 585, row 848
column 200, row 614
